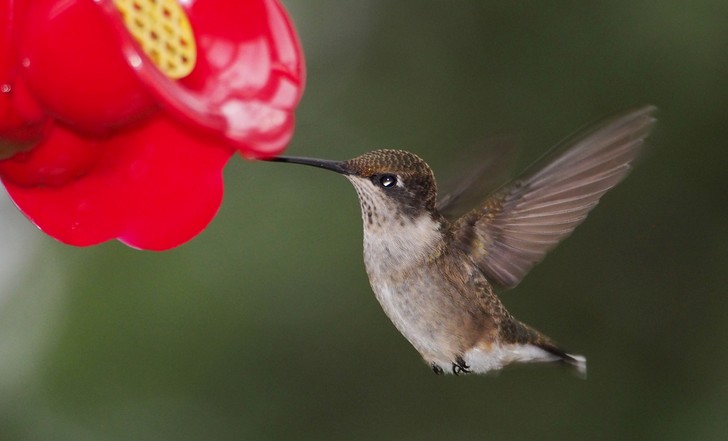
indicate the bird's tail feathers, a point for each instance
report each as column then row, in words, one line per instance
column 573, row 361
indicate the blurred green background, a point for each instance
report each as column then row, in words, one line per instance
column 264, row 326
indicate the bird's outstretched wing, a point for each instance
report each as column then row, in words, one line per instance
column 518, row 224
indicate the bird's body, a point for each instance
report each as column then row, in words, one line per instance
column 435, row 296
column 442, row 304
column 434, row 277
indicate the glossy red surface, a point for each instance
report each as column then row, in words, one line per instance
column 75, row 70
column 121, row 195
column 249, row 74
column 103, row 145
column 21, row 120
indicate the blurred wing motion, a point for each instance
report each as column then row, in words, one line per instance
column 489, row 164
column 516, row 226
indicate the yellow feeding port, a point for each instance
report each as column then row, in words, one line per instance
column 163, row 31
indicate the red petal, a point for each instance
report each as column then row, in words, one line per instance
column 56, row 160
column 73, row 63
column 153, row 188
column 248, row 78
column 21, row 119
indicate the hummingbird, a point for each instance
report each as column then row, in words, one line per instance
column 435, row 277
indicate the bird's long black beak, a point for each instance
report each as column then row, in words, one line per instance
column 337, row 166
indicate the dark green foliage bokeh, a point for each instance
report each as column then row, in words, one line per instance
column 264, row 326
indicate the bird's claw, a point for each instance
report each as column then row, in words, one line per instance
column 460, row 367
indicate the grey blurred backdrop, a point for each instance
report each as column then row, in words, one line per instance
column 264, row 326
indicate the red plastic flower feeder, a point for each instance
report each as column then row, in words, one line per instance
column 117, row 117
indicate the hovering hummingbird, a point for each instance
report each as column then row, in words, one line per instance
column 435, row 277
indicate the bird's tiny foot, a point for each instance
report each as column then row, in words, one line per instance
column 437, row 369
column 459, row 366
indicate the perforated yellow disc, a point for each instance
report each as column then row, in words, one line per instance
column 163, row 31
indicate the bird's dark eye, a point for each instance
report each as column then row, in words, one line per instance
column 387, row 181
